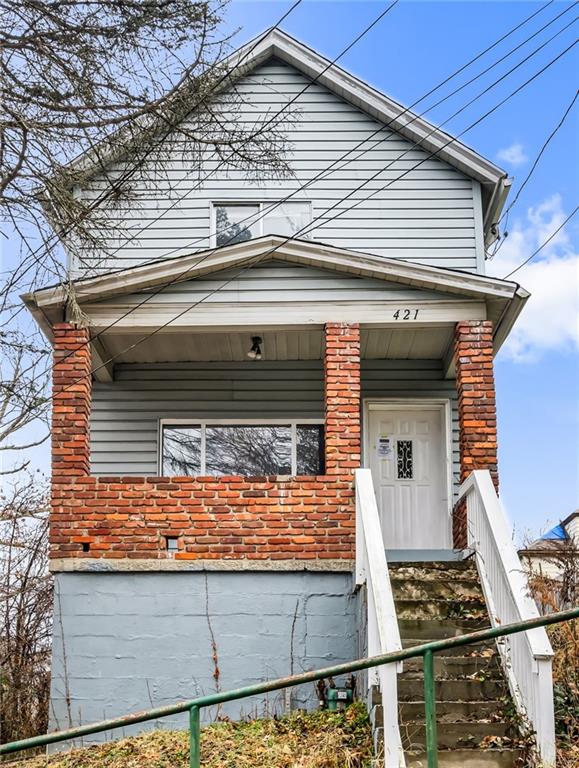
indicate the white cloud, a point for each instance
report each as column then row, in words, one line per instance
column 513, row 155
column 550, row 319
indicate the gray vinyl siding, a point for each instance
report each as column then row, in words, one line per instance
column 427, row 216
column 277, row 281
column 126, row 413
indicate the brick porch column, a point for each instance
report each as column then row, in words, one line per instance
column 342, row 397
column 477, row 415
column 71, row 400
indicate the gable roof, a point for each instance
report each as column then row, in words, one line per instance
column 278, row 44
column 507, row 298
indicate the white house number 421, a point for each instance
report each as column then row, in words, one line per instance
column 406, row 314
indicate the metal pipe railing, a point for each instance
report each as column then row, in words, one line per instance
column 194, row 706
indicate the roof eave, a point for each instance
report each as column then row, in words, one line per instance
column 509, row 316
column 193, row 265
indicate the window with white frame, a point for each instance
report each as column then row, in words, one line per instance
column 238, row 448
column 238, row 222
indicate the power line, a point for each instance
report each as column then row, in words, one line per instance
column 365, row 31
column 544, row 146
column 540, row 154
column 309, row 226
column 382, row 128
column 450, row 141
column 128, row 173
column 543, row 244
column 461, row 69
column 271, row 251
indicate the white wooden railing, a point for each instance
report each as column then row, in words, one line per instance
column 526, row 656
column 382, row 626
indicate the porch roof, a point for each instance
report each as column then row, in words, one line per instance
column 134, row 300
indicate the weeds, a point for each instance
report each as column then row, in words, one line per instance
column 301, row 740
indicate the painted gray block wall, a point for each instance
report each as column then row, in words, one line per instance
column 129, row 641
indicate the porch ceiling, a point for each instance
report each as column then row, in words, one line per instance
column 303, row 344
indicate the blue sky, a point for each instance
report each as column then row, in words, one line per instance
column 412, row 49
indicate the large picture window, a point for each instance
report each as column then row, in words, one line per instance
column 289, row 448
column 238, row 222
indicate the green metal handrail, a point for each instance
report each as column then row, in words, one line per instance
column 194, row 706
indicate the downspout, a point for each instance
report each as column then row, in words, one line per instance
column 495, row 206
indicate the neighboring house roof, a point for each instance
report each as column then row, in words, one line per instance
column 558, row 533
column 504, row 299
column 275, row 43
column 554, row 540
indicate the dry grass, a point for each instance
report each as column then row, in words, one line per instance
column 301, row 740
column 565, row 641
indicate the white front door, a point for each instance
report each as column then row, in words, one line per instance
column 406, row 452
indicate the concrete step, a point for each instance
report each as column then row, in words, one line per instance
column 437, row 629
column 458, row 666
column 437, row 571
column 453, row 589
column 473, row 608
column 453, row 735
column 467, row 758
column 411, row 689
column 460, row 735
column 454, row 711
column 481, row 649
column 434, row 601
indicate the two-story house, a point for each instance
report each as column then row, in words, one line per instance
column 222, row 383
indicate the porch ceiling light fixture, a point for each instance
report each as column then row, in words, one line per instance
column 255, row 351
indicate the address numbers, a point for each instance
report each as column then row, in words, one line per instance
column 406, row 314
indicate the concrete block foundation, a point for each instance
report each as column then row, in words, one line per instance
column 130, row 641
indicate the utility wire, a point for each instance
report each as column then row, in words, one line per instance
column 543, row 244
column 265, row 125
column 302, row 187
column 544, row 146
column 326, row 172
column 341, row 212
column 116, row 186
column 435, row 88
column 540, row 154
column 192, row 306
column 330, row 64
column 382, row 128
column 450, row 141
column 309, row 226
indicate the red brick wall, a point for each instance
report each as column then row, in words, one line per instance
column 71, row 400
column 228, row 517
column 342, row 397
column 473, row 347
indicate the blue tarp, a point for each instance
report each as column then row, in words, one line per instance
column 558, row 532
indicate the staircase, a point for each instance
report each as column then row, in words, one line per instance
column 475, row 715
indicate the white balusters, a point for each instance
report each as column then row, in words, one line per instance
column 382, row 629
column 526, row 656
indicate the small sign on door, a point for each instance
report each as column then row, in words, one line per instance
column 385, row 446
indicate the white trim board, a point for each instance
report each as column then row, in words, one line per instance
column 293, row 250
column 507, row 298
column 179, row 317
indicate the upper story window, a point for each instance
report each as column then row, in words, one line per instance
column 249, row 449
column 238, row 222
